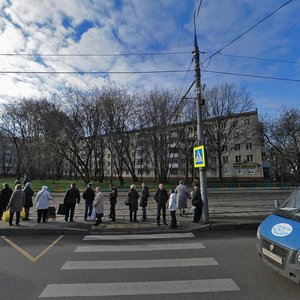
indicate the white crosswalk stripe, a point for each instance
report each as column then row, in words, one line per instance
column 139, row 288
column 138, row 264
column 136, row 248
column 138, row 236
column 140, row 244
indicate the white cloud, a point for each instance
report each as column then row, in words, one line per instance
column 35, row 26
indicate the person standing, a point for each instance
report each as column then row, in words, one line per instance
column 133, row 197
column 113, row 201
column 26, row 179
column 161, row 198
column 72, row 198
column 42, row 204
column 28, row 199
column 89, row 196
column 144, row 200
column 197, row 203
column 98, row 204
column 15, row 204
column 182, row 195
column 172, row 208
column 5, row 195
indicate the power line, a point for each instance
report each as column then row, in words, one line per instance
column 93, row 72
column 145, row 72
column 95, row 54
column 245, row 32
column 257, row 58
column 252, row 76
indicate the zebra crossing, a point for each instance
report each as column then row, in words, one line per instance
column 141, row 244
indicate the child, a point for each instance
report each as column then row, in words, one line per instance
column 172, row 208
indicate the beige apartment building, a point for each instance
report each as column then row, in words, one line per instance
column 233, row 151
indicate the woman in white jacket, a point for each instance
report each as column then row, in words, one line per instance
column 172, row 208
column 42, row 203
column 99, row 206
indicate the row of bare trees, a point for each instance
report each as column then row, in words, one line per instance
column 79, row 129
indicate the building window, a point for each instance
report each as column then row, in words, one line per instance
column 249, row 146
column 183, row 161
column 225, row 159
column 237, row 147
column 173, row 171
column 247, row 122
column 236, row 135
column 213, row 160
column 249, row 158
column 224, row 148
column 238, row 159
column 234, row 123
column 248, row 134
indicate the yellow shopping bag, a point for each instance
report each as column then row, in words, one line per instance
column 5, row 216
column 22, row 213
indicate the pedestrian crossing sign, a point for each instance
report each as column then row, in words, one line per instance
column 199, row 157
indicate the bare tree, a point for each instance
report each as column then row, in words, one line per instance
column 80, row 130
column 282, row 135
column 222, row 102
column 120, row 119
column 161, row 114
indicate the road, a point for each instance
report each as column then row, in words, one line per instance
column 203, row 265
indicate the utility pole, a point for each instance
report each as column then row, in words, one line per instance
column 200, row 131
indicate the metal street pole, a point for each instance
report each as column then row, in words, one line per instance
column 200, row 133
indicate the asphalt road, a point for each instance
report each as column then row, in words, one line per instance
column 203, row 265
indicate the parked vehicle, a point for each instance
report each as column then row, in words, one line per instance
column 278, row 238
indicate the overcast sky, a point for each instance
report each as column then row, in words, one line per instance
column 41, row 31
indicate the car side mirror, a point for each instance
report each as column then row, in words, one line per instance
column 276, row 204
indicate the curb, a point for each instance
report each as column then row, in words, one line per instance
column 153, row 230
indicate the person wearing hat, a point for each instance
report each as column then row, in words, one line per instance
column 42, row 204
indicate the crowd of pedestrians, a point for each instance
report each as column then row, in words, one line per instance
column 17, row 200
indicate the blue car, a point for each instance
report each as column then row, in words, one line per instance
column 278, row 238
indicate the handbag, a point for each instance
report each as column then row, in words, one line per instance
column 6, row 215
column 61, row 209
column 127, row 201
column 23, row 213
column 93, row 215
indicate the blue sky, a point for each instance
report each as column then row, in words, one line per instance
column 60, row 27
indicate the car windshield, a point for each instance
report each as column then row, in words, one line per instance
column 292, row 204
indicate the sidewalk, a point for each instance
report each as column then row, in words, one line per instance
column 226, row 212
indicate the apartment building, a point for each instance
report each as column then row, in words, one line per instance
column 233, row 150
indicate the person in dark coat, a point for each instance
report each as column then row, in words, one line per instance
column 28, row 199
column 5, row 195
column 161, row 198
column 89, row 196
column 15, row 204
column 113, row 201
column 197, row 203
column 133, row 197
column 144, row 200
column 72, row 198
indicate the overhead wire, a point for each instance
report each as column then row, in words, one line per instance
column 94, row 54
column 245, row 32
